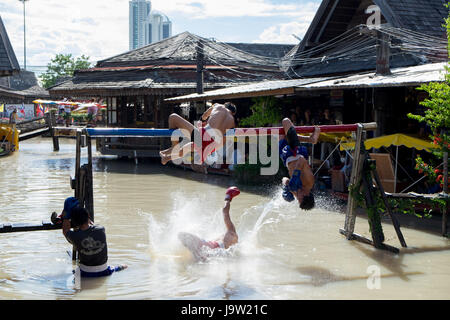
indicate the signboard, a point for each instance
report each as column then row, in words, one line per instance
column 24, row 111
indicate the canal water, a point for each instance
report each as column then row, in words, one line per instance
column 283, row 253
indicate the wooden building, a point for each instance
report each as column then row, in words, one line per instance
column 136, row 83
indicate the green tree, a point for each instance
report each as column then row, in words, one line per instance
column 265, row 111
column 63, row 65
column 437, row 117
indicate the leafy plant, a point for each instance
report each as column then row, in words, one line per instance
column 265, row 111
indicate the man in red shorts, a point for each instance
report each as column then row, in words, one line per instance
column 197, row 245
column 204, row 140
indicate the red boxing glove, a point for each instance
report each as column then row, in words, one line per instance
column 231, row 193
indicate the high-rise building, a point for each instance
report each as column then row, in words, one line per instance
column 145, row 26
column 139, row 11
column 159, row 27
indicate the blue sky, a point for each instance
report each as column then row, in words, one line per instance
column 99, row 28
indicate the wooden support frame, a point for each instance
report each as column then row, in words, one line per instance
column 363, row 175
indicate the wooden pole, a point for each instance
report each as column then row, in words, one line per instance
column 90, row 181
column 383, row 54
column 77, row 178
column 77, row 164
column 50, row 119
column 200, row 105
column 355, row 177
column 200, row 59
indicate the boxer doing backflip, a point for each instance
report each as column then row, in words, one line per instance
column 294, row 156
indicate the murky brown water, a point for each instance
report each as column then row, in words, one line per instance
column 283, row 253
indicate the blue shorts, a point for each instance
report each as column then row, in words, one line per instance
column 107, row 272
column 286, row 152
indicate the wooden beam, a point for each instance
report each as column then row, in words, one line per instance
column 355, row 177
column 327, row 19
column 24, row 227
column 33, row 134
column 360, row 238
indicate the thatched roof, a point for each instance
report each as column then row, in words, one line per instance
column 169, row 67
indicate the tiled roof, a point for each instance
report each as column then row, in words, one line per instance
column 336, row 17
column 424, row 16
column 183, row 48
column 171, row 65
column 264, row 49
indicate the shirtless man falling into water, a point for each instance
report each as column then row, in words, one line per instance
column 219, row 118
column 197, row 245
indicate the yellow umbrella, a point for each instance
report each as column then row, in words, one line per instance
column 335, row 137
column 397, row 140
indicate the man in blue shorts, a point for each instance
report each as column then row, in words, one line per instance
column 88, row 239
column 294, row 155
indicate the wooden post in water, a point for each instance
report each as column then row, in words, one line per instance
column 78, row 190
column 89, row 192
column 358, row 160
column 50, row 120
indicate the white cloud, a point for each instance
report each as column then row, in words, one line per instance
column 204, row 9
column 99, row 28
column 283, row 32
column 83, row 27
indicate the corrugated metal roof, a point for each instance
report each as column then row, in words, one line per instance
column 409, row 76
column 263, row 88
column 403, row 77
